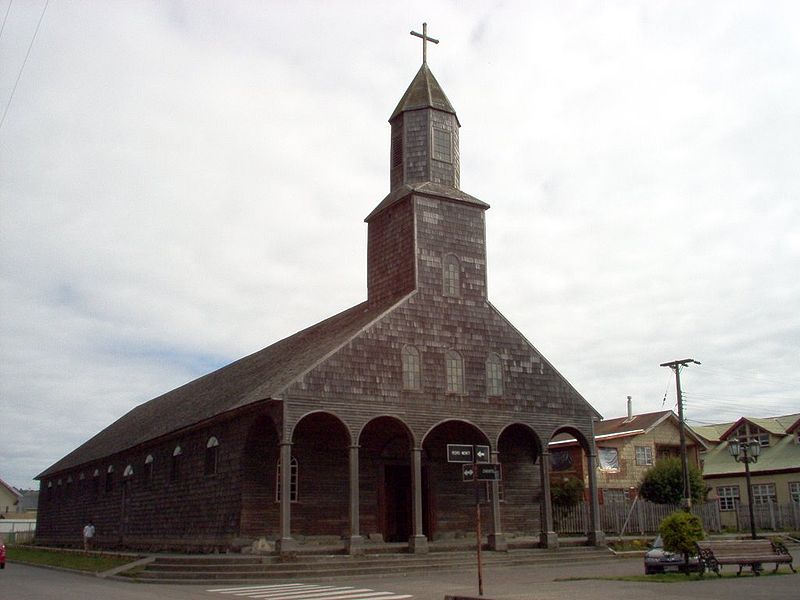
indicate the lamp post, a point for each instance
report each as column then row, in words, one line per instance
column 746, row 453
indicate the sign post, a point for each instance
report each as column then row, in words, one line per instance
column 476, row 466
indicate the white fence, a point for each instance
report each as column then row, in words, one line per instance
column 630, row 517
column 17, row 531
column 769, row 516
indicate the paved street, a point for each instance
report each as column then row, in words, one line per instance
column 21, row 582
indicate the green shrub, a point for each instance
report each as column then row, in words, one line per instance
column 567, row 493
column 663, row 484
column 679, row 532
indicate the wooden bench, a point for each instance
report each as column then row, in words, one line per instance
column 715, row 553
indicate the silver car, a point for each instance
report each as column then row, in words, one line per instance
column 658, row 560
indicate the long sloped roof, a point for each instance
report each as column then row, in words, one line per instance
column 262, row 375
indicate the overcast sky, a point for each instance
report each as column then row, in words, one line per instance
column 184, row 183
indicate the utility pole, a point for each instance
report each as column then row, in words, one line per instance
column 676, row 365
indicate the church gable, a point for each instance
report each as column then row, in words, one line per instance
column 368, row 376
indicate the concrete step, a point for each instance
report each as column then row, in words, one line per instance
column 214, row 570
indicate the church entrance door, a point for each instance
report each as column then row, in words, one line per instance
column 399, row 501
column 397, row 492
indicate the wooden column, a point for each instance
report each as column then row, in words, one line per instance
column 418, row 543
column 497, row 540
column 596, row 535
column 286, row 543
column 548, row 538
column 355, row 544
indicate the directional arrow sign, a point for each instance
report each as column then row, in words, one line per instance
column 468, row 472
column 460, row 453
column 489, row 472
column 482, row 454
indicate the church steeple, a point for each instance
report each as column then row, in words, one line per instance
column 426, row 235
column 424, row 131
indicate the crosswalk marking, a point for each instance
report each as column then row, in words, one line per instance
column 301, row 591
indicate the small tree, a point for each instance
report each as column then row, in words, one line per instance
column 663, row 484
column 567, row 492
column 679, row 532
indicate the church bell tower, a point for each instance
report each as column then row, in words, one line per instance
column 426, row 226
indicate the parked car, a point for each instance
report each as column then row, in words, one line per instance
column 2, row 555
column 658, row 560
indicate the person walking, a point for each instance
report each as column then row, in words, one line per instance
column 88, row 535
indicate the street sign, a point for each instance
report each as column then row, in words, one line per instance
column 460, row 453
column 482, row 454
column 468, row 472
column 491, row 472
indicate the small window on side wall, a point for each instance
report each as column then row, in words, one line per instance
column 212, row 456
column 175, row 466
column 110, row 478
column 148, row 469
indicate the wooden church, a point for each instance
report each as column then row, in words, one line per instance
column 342, row 429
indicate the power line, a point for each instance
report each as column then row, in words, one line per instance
column 24, row 62
column 5, row 17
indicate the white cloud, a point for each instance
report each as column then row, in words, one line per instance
column 185, row 183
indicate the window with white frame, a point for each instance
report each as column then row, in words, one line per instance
column 110, row 478
column 748, row 432
column 763, row 494
column 451, row 276
column 293, row 475
column 212, row 456
column 644, row 455
column 175, row 466
column 494, row 375
column 454, row 372
column 412, row 379
column 794, row 491
column 608, row 459
column 728, row 497
column 148, row 468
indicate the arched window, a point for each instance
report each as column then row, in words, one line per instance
column 148, row 469
column 110, row 478
column 128, row 472
column 96, row 482
column 451, row 276
column 454, row 372
column 411, row 368
column 212, row 451
column 494, row 375
column 293, row 474
column 175, row 466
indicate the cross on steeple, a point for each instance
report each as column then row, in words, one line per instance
column 425, row 40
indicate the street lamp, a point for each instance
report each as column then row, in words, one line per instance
column 746, row 453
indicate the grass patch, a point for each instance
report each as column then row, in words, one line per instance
column 672, row 577
column 67, row 560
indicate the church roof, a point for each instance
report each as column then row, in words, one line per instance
column 425, row 188
column 260, row 376
column 424, row 92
